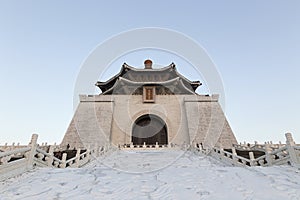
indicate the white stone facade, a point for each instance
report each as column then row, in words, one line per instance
column 108, row 120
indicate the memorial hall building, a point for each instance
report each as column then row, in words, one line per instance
column 149, row 106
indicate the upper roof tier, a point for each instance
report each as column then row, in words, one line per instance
column 130, row 78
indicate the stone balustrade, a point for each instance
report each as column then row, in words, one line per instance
column 17, row 159
column 256, row 146
column 151, row 146
column 45, row 146
column 275, row 154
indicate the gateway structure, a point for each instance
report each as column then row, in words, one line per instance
column 149, row 106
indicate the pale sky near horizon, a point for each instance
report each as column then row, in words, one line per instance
column 255, row 46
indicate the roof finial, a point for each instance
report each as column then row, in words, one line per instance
column 148, row 64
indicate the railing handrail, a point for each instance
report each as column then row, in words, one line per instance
column 15, row 151
column 278, row 150
column 259, row 158
column 71, row 159
column 43, row 152
column 48, row 154
column 76, row 157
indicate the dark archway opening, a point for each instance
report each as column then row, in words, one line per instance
column 149, row 129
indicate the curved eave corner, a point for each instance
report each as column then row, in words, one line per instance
column 194, row 84
column 112, row 81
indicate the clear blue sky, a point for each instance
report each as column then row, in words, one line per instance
column 255, row 45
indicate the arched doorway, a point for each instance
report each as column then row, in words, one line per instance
column 149, row 129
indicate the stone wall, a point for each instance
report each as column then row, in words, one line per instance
column 108, row 119
column 91, row 123
column 207, row 123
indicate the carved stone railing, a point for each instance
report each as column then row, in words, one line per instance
column 283, row 154
column 44, row 159
column 257, row 147
column 13, row 146
column 19, row 160
column 7, row 147
column 151, row 146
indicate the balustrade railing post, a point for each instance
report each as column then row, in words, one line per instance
column 88, row 154
column 50, row 158
column 269, row 158
column 77, row 157
column 252, row 158
column 32, row 152
column 131, row 145
column 222, row 152
column 234, row 155
column 290, row 143
column 64, row 159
